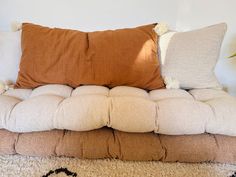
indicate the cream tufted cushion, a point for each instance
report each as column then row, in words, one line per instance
column 172, row 112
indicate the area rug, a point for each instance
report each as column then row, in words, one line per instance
column 24, row 166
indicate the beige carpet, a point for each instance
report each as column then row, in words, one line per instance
column 22, row 166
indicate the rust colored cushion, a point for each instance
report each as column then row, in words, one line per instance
column 109, row 58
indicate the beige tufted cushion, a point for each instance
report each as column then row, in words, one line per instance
column 128, row 109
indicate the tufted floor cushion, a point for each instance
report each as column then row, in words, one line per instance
column 109, row 143
column 128, row 109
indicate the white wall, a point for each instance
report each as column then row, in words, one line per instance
column 89, row 15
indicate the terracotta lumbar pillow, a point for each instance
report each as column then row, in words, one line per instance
column 109, row 58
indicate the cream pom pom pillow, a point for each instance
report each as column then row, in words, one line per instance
column 190, row 57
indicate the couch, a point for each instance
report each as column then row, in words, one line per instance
column 185, row 124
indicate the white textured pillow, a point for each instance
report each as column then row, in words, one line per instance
column 10, row 54
column 190, row 57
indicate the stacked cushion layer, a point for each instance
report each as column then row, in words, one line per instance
column 109, row 143
column 128, row 109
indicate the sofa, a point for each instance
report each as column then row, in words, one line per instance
column 179, row 117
